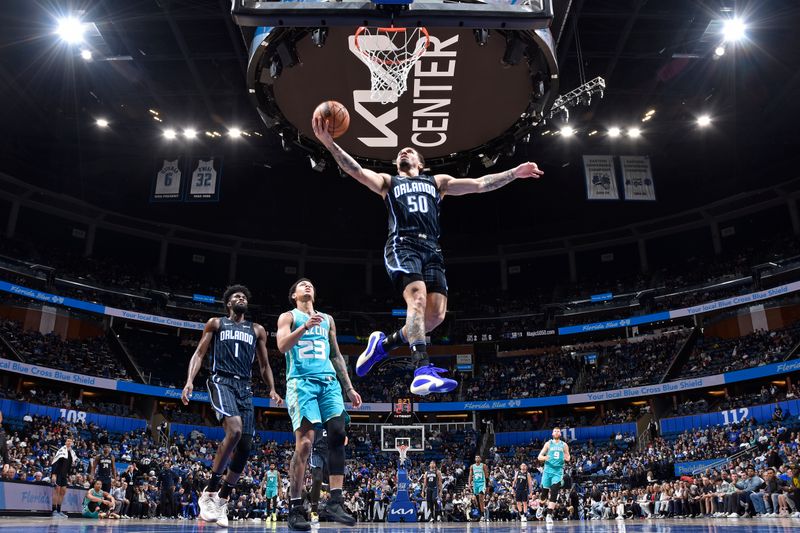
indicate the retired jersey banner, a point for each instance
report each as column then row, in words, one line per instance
column 168, row 180
column 601, row 180
column 638, row 177
column 205, row 175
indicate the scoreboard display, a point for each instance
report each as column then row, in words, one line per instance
column 401, row 410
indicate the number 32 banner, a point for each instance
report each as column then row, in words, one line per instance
column 204, row 177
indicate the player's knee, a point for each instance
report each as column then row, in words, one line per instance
column 303, row 445
column 316, row 475
column 233, row 429
column 434, row 317
column 336, row 431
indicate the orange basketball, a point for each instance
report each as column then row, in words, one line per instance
column 337, row 116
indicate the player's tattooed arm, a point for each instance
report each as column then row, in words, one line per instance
column 344, row 160
column 340, row 366
column 495, row 181
column 376, row 182
column 490, row 182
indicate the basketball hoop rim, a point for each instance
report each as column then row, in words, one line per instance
column 392, row 29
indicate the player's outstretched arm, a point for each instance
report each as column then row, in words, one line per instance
column 340, row 366
column 196, row 362
column 263, row 363
column 375, row 181
column 448, row 185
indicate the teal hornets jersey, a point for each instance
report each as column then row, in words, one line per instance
column 272, row 481
column 311, row 356
column 478, row 474
column 555, row 456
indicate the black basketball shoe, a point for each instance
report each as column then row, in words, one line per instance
column 335, row 512
column 297, row 520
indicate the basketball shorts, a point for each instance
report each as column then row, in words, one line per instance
column 316, row 400
column 521, row 495
column 232, row 397
column 106, row 483
column 409, row 259
column 551, row 478
column 61, row 478
column 271, row 493
column 478, row 488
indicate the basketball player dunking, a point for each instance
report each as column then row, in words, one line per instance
column 554, row 454
column 432, row 487
column 235, row 343
column 412, row 255
column 314, row 396
column 478, row 476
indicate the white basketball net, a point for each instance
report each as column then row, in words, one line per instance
column 403, row 450
column 390, row 54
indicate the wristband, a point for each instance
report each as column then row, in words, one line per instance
column 305, row 327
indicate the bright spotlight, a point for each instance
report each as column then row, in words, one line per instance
column 614, row 132
column 70, row 29
column 190, row 133
column 86, row 55
column 567, row 131
column 733, row 30
column 719, row 51
column 170, row 134
column 101, row 123
column 703, row 121
column 634, row 133
column 235, row 132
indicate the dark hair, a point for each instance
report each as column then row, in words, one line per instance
column 233, row 289
column 294, row 288
column 420, row 157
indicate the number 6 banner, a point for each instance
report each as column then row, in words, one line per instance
column 167, row 183
column 205, row 176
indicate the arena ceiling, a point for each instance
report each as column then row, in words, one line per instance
column 186, row 60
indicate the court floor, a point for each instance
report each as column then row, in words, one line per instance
column 79, row 525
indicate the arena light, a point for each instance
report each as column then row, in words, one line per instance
column 86, row 55
column 634, row 133
column 235, row 132
column 190, row 133
column 153, row 111
column 593, row 132
column 567, row 131
column 614, row 131
column 101, row 123
column 70, row 29
column 733, row 30
column 719, row 51
column 703, row 121
column 170, row 134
